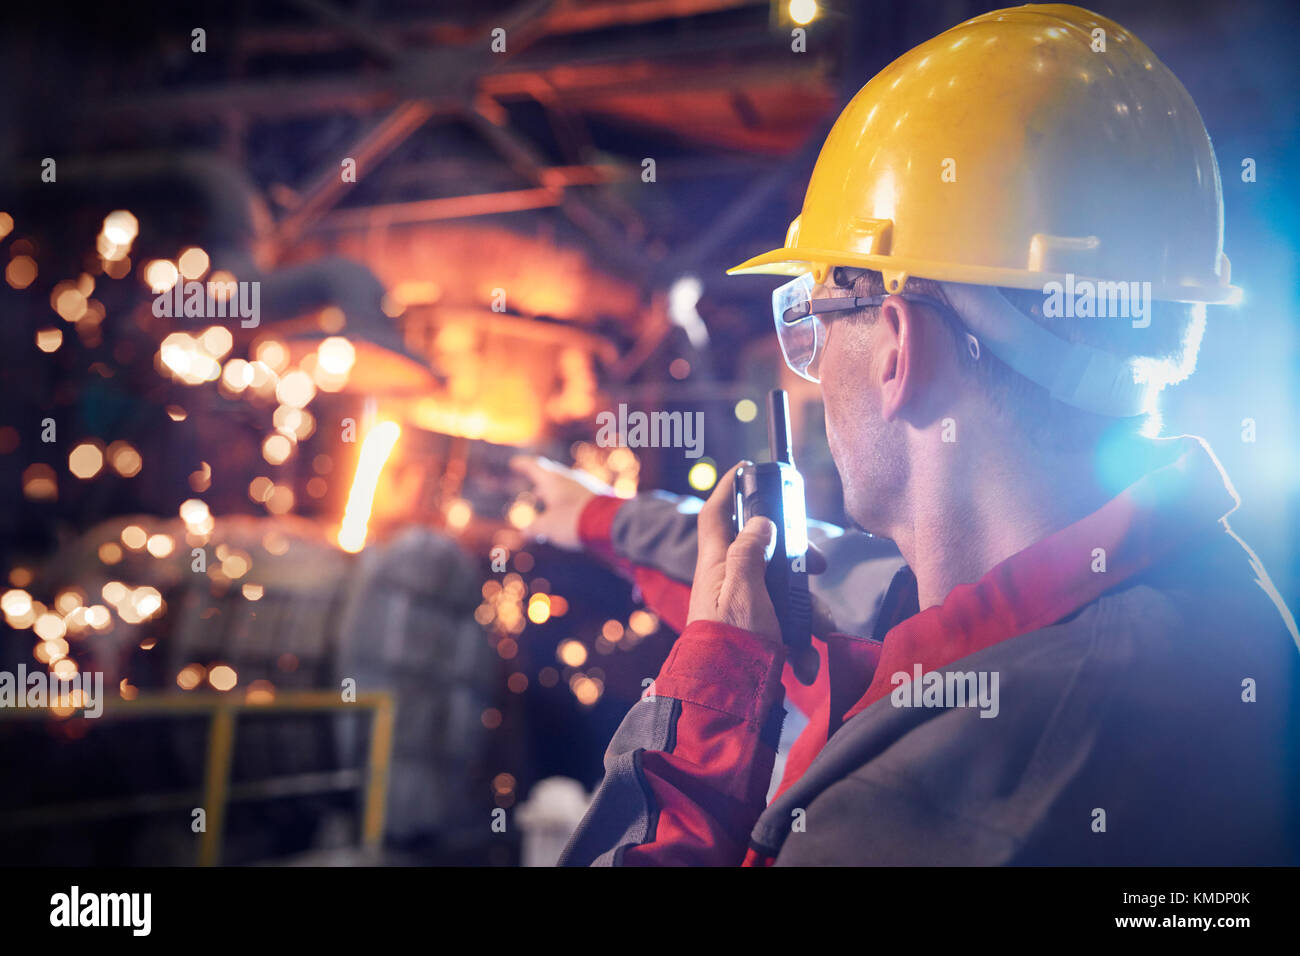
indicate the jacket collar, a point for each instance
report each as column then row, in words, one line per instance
column 1182, row 493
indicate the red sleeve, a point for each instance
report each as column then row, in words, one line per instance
column 668, row 598
column 710, row 786
column 687, row 774
column 596, row 524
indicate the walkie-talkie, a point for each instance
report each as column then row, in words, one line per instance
column 774, row 489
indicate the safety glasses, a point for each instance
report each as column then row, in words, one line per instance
column 801, row 320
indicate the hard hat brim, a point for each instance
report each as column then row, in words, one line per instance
column 790, row 261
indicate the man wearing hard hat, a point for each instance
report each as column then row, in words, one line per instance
column 1006, row 250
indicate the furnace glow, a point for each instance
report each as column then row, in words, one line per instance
column 376, row 448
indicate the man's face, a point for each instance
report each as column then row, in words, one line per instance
column 868, row 451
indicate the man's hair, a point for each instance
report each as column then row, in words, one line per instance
column 1173, row 337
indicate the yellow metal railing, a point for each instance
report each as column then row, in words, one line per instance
column 223, row 711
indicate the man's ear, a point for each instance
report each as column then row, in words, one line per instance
column 899, row 368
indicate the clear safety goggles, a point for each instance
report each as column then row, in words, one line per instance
column 801, row 320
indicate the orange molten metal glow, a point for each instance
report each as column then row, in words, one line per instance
column 375, row 449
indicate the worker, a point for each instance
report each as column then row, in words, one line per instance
column 1006, row 250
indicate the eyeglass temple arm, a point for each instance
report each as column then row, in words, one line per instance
column 822, row 306
column 846, row 303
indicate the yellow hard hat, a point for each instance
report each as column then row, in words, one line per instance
column 1016, row 148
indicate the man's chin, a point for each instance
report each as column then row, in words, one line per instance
column 860, row 519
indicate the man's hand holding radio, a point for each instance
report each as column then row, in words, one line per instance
column 728, row 584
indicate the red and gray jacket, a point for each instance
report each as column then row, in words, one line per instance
column 1124, row 691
